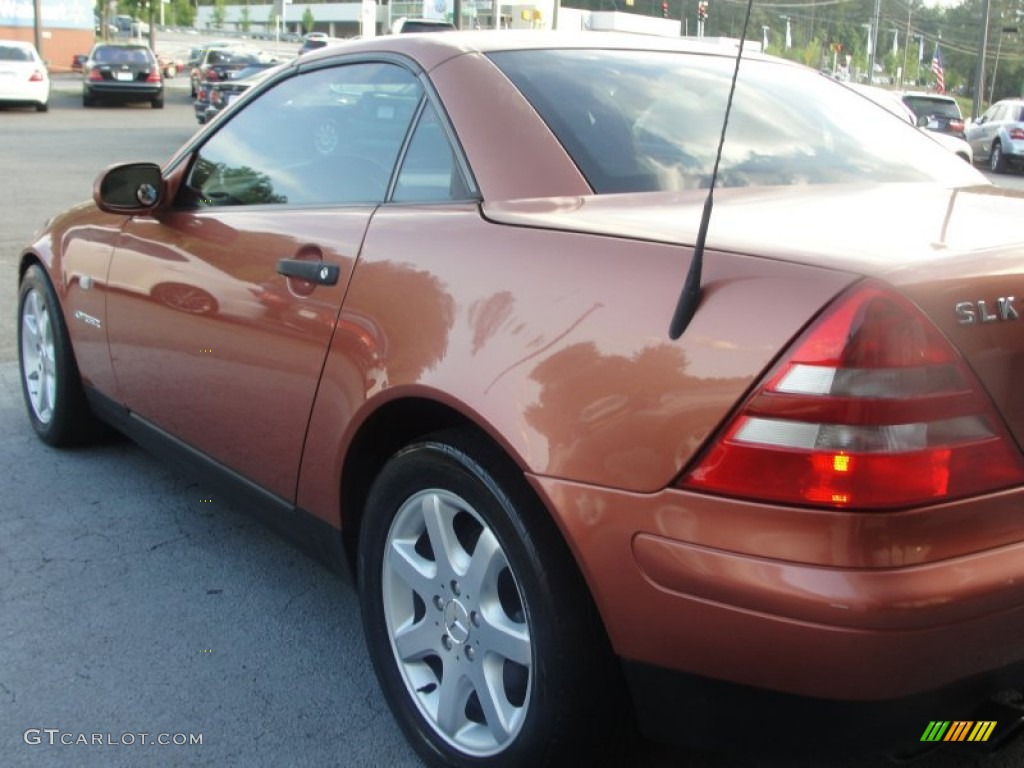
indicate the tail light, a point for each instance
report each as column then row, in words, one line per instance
column 95, row 74
column 153, row 76
column 36, row 77
column 201, row 94
column 956, row 125
column 871, row 408
column 1016, row 134
column 212, row 76
column 215, row 97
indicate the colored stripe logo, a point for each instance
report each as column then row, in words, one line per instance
column 959, row 730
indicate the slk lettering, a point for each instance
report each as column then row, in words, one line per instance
column 983, row 311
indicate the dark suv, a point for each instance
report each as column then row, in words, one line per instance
column 936, row 112
column 122, row 72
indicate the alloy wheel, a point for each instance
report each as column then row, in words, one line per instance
column 38, row 356
column 457, row 623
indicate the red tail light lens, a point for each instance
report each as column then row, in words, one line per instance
column 201, row 94
column 36, row 77
column 1017, row 134
column 956, row 125
column 153, row 76
column 871, row 408
column 212, row 76
column 95, row 74
column 215, row 97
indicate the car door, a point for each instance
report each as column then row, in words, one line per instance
column 208, row 340
column 984, row 131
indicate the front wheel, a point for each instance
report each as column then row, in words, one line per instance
column 482, row 635
column 996, row 160
column 49, row 376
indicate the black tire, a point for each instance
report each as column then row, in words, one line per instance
column 158, row 102
column 996, row 159
column 88, row 101
column 562, row 705
column 50, row 382
column 42, row 107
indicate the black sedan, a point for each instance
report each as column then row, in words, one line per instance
column 122, row 72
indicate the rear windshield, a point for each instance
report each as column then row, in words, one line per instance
column 923, row 106
column 121, row 55
column 10, row 53
column 638, row 121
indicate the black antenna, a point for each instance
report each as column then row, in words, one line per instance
column 689, row 297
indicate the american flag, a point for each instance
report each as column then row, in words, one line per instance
column 940, row 78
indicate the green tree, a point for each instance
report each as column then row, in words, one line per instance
column 307, row 20
column 184, row 13
column 220, row 13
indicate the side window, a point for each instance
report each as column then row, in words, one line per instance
column 429, row 172
column 326, row 137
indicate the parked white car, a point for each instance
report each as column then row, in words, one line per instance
column 23, row 75
column 891, row 101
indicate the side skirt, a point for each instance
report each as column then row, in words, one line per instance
column 298, row 526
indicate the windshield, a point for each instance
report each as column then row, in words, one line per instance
column 638, row 121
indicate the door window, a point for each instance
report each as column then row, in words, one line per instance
column 326, row 137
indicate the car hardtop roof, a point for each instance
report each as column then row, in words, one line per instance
column 430, row 49
column 18, row 44
column 121, row 45
column 926, row 95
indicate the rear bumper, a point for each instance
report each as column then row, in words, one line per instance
column 26, row 93
column 123, row 91
column 820, row 605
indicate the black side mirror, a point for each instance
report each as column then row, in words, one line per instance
column 129, row 188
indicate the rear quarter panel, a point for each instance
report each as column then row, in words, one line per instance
column 555, row 343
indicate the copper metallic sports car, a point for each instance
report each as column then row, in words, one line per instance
column 410, row 299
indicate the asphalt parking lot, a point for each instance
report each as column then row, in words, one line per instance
column 135, row 601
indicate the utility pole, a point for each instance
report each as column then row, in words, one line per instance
column 979, row 75
column 906, row 46
column 37, row 26
column 874, row 41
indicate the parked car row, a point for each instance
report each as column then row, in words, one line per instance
column 221, row 59
column 213, row 97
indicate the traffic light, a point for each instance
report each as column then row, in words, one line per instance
column 702, row 10
column 664, row 10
